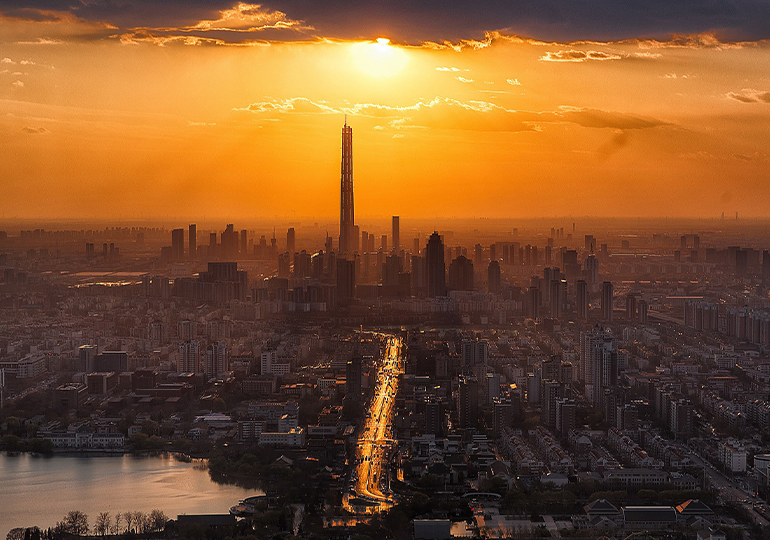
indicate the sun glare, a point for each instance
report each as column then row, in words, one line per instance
column 379, row 58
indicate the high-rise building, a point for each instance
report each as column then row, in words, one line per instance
column 419, row 276
column 566, row 410
column 502, row 415
column 216, row 359
column 177, row 244
column 434, row 416
column 186, row 330
column 533, row 300
column 192, row 241
column 384, row 243
column 189, row 357
column 244, row 242
column 592, row 272
column 475, row 352
column 354, row 377
column 348, row 236
column 642, row 308
column 346, row 279
column 607, row 292
column 557, row 297
column 461, row 274
column 396, row 234
column 468, row 404
column 434, row 254
column 631, row 301
column 551, row 392
column 291, row 241
column 88, row 357
column 601, row 363
column 581, row 294
column 494, row 283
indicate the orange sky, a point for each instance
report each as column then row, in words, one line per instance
column 95, row 123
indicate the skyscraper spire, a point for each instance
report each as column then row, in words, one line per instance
column 347, row 215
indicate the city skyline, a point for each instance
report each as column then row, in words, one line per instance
column 537, row 304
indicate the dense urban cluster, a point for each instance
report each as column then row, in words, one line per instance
column 541, row 383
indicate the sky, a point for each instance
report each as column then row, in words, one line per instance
column 501, row 109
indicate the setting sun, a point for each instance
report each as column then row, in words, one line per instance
column 379, row 58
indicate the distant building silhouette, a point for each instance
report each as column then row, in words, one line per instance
column 346, row 279
column 291, row 241
column 494, row 282
column 192, row 241
column 396, row 234
column 607, row 292
column 581, row 294
column 461, row 274
column 177, row 244
column 348, row 234
column 434, row 255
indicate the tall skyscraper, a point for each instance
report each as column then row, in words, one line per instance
column 631, row 301
column 434, row 254
column 461, row 274
column 291, row 241
column 177, row 244
column 581, row 303
column 346, row 279
column 642, row 307
column 348, row 238
column 494, row 283
column 192, row 241
column 607, row 291
column 396, row 235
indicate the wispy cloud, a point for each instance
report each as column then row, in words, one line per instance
column 574, row 55
column 513, row 82
column 33, row 130
column 448, row 113
column 290, row 105
column 750, row 95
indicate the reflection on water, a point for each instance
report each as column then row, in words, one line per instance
column 40, row 490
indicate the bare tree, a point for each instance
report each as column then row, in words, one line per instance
column 116, row 526
column 140, row 520
column 102, row 523
column 158, row 520
column 129, row 517
column 76, row 522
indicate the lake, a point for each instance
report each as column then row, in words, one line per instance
column 40, row 490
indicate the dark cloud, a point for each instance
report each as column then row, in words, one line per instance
column 415, row 21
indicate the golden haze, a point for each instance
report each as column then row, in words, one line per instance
column 505, row 127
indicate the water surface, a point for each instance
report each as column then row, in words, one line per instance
column 40, row 490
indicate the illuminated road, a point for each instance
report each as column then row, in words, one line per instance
column 369, row 492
